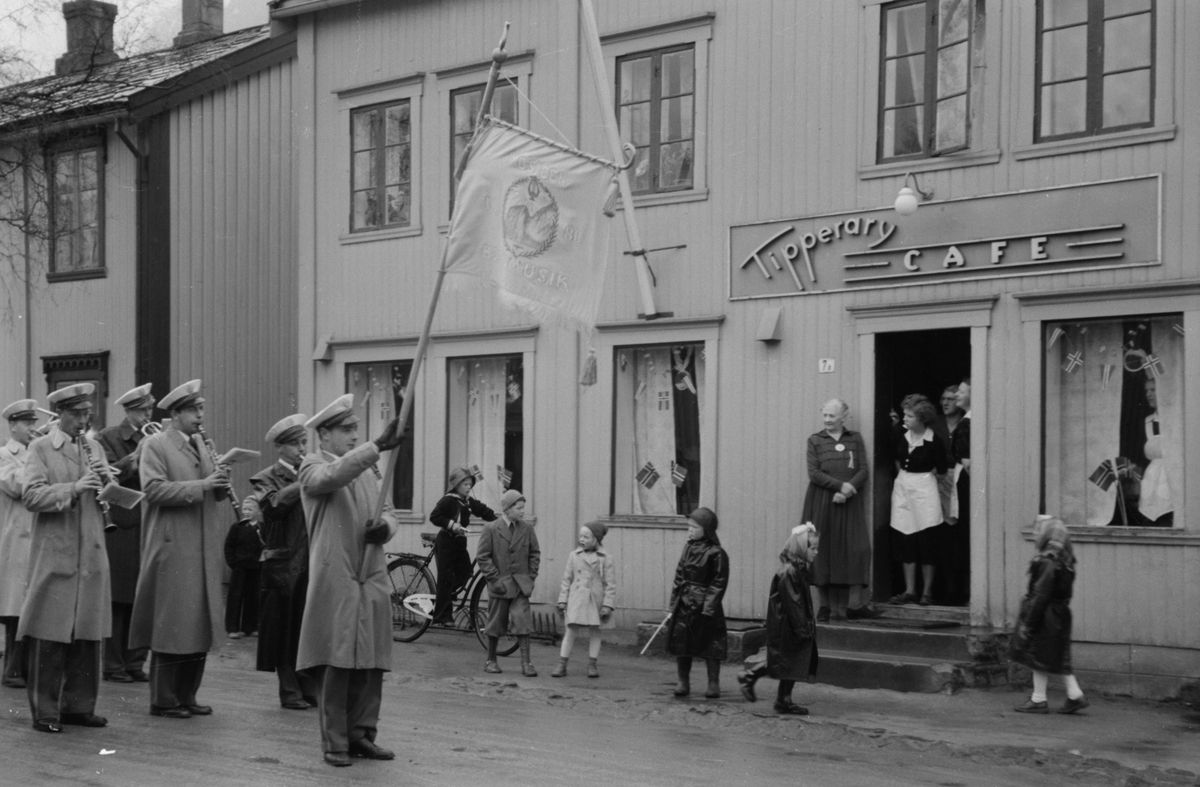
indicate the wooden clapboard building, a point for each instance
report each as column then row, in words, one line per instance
column 1050, row 259
column 148, row 221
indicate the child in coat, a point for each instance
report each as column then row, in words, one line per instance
column 243, row 548
column 452, row 516
column 587, row 596
column 509, row 558
column 790, row 654
column 1042, row 640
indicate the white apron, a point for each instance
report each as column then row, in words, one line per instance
column 1156, row 488
column 916, row 503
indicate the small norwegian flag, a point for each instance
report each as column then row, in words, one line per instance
column 477, row 474
column 505, row 476
column 1055, row 335
column 1105, row 376
column 678, row 474
column 647, row 476
column 1153, row 366
column 1074, row 361
column 1127, row 467
column 1104, row 475
column 1178, row 328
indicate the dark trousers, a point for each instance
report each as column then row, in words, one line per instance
column 297, row 686
column 118, row 656
column 453, row 563
column 241, row 607
column 14, row 652
column 348, row 709
column 64, row 677
column 175, row 678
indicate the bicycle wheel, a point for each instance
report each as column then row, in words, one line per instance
column 479, row 617
column 408, row 577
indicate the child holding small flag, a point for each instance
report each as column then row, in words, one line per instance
column 697, row 625
column 587, row 597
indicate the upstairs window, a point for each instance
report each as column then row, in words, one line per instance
column 657, row 113
column 381, row 167
column 927, row 93
column 464, row 109
column 76, row 212
column 1095, row 67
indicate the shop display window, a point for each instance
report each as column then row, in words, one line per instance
column 485, row 423
column 378, row 390
column 1095, row 67
column 656, row 113
column 928, row 94
column 381, row 167
column 659, row 406
column 1114, row 419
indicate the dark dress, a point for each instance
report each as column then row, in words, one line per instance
column 284, row 578
column 791, row 650
column 697, row 625
column 845, row 554
column 957, row 542
column 451, row 556
column 1042, row 640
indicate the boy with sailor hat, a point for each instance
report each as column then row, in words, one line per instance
column 15, row 524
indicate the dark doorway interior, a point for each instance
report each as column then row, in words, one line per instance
column 923, row 362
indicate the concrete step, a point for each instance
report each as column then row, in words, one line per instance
column 948, row 644
column 960, row 615
column 851, row 670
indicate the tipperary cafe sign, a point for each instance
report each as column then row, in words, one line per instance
column 1097, row 225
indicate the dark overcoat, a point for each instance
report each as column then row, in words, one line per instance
column 1042, row 640
column 791, row 627
column 697, row 625
column 68, row 596
column 284, row 578
column 125, row 543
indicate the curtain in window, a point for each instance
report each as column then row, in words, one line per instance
column 687, row 424
column 1162, row 480
column 486, row 408
column 1083, row 419
column 654, row 430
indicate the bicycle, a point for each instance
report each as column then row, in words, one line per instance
column 414, row 590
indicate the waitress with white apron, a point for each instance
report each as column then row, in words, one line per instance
column 916, row 505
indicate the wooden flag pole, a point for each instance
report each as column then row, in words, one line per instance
column 591, row 35
column 498, row 58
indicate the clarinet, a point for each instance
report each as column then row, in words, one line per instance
column 103, row 472
column 212, row 455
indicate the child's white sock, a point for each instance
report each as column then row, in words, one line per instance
column 567, row 643
column 1040, row 681
column 1073, row 690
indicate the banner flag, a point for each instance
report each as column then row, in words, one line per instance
column 528, row 219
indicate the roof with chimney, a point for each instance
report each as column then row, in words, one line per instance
column 140, row 85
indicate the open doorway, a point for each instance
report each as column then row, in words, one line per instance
column 927, row 363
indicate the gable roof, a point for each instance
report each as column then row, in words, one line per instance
column 118, row 87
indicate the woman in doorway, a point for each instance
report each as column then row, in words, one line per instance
column 837, row 473
column 916, row 504
column 958, row 542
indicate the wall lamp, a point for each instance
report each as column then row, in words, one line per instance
column 906, row 200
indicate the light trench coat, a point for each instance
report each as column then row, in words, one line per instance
column 348, row 610
column 16, row 524
column 68, row 597
column 179, row 606
column 589, row 583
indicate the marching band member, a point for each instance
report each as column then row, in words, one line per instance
column 67, row 609
column 177, row 611
column 15, row 524
column 346, row 634
column 284, row 564
column 123, row 664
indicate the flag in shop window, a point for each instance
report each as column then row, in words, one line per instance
column 1104, row 475
column 505, row 476
column 647, row 476
column 1074, row 361
column 678, row 474
column 1126, row 467
column 477, row 474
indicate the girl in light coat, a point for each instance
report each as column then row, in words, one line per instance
column 588, row 594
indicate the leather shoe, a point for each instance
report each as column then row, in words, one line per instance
column 790, row 708
column 47, row 725
column 862, row 613
column 338, row 759
column 823, row 615
column 746, row 681
column 1033, row 707
column 199, row 710
column 903, row 598
column 492, row 668
column 84, row 719
column 14, row 683
column 178, row 712
column 368, row 750
column 118, row 677
column 1070, row 706
column 139, row 676
column 296, row 705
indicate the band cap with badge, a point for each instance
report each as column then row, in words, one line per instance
column 136, row 398
column 72, row 397
column 186, row 395
column 21, row 410
column 286, row 430
column 339, row 412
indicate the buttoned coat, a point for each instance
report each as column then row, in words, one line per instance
column 16, row 524
column 589, row 583
column 179, row 606
column 348, row 610
column 509, row 558
column 124, row 544
column 68, row 596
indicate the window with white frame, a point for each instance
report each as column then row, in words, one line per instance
column 929, row 91
column 378, row 390
column 485, row 422
column 656, row 112
column 464, row 111
column 658, row 403
column 1114, row 420
column 77, row 210
column 381, row 167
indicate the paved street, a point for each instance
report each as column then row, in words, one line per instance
column 452, row 725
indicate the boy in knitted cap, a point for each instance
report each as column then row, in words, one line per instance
column 452, row 515
column 509, row 557
column 587, row 597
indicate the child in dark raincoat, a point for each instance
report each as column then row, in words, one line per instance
column 1042, row 640
column 697, row 625
column 790, row 654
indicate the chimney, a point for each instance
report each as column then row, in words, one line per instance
column 202, row 20
column 89, row 36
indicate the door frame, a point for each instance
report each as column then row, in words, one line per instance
column 972, row 313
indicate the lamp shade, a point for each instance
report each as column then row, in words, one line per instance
column 906, row 202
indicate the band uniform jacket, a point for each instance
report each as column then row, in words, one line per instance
column 509, row 558
column 284, row 578
column 68, row 597
column 348, row 608
column 16, row 522
column 179, row 606
column 124, row 543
